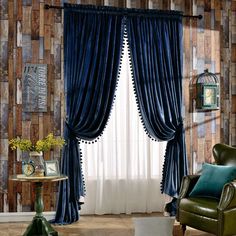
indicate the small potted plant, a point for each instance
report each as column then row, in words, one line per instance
column 36, row 150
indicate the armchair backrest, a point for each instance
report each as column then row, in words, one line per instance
column 224, row 154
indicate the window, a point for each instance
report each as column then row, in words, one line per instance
column 123, row 169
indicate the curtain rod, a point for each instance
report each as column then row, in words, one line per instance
column 47, row 6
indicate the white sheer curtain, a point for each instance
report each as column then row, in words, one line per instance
column 123, row 169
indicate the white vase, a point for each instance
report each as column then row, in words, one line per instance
column 36, row 158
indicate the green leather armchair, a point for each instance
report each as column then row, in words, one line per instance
column 209, row 214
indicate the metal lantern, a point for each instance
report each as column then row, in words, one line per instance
column 208, row 96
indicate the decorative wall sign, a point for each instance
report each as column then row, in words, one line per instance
column 34, row 88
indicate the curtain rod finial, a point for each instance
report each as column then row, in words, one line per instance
column 46, row 6
column 199, row 17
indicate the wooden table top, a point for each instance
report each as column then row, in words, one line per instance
column 37, row 179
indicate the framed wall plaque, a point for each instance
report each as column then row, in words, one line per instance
column 34, row 88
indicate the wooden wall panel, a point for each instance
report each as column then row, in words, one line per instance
column 31, row 34
column 199, row 54
column 232, row 69
column 26, row 37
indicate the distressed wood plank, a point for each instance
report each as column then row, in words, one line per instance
column 46, row 131
column 47, row 37
column 47, row 202
column 26, row 48
column 207, row 5
column 35, row 4
column 4, row 30
column 18, row 63
column 35, row 51
column 26, row 21
column 41, row 20
column 167, row 5
column 35, row 25
column 19, row 10
column 34, row 133
column 4, row 10
column 18, row 120
column 4, row 61
column 19, row 34
column 27, row 2
column 234, row 104
column 19, row 92
column 233, row 53
column 26, row 195
column 57, row 61
column 57, row 118
column 233, row 7
column 4, row 150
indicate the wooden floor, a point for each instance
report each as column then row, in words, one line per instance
column 106, row 225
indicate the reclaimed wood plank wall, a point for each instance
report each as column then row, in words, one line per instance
column 31, row 34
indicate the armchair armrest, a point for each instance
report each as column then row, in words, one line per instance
column 228, row 197
column 188, row 182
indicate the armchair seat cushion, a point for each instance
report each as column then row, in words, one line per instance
column 200, row 205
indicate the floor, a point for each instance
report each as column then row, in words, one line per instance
column 106, row 225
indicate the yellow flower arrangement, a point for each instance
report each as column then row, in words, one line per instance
column 40, row 146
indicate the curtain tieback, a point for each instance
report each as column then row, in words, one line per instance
column 179, row 131
column 69, row 131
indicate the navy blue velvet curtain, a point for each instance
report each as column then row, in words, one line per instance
column 156, row 53
column 92, row 49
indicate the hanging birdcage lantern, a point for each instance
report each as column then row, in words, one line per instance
column 208, row 92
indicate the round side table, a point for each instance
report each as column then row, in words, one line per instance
column 39, row 225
